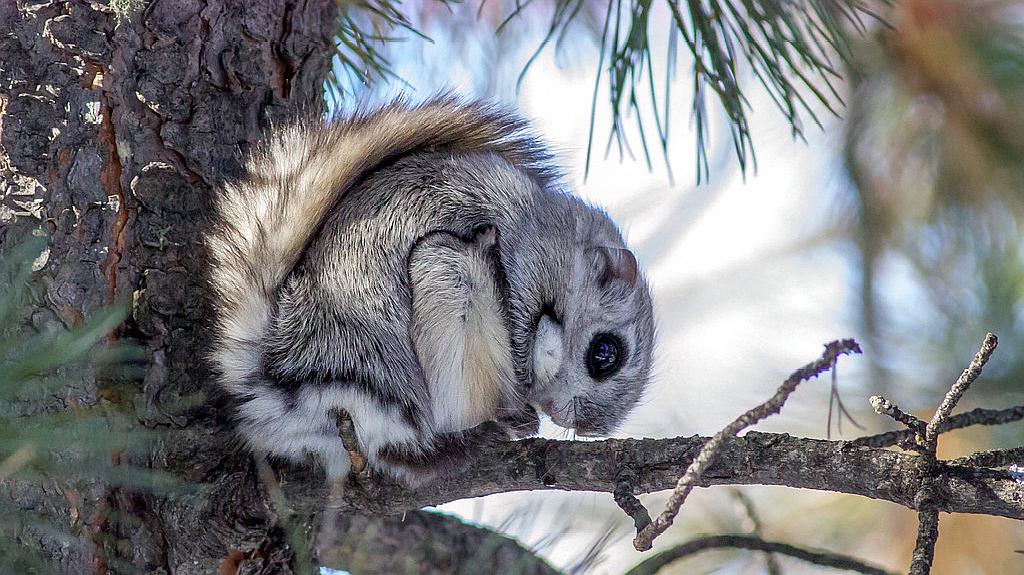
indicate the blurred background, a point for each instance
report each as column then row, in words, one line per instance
column 851, row 169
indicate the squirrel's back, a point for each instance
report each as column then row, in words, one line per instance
column 265, row 223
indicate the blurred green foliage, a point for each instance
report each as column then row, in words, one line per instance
column 934, row 146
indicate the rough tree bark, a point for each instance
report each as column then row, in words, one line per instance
column 115, row 130
column 118, row 127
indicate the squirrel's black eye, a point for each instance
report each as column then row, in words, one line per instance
column 604, row 355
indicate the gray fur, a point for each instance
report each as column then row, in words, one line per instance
column 310, row 263
column 459, row 328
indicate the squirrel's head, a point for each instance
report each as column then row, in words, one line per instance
column 592, row 351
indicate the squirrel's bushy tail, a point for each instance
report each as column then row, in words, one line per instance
column 265, row 222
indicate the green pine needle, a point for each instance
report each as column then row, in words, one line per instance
column 791, row 47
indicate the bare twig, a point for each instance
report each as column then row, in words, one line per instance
column 962, row 383
column 883, row 406
column 749, row 511
column 980, row 416
column 823, row 558
column 347, row 434
column 836, row 400
column 626, row 482
column 286, row 515
column 924, row 549
column 632, row 506
column 327, row 531
column 925, row 501
column 695, row 470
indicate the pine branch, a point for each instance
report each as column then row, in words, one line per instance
column 791, row 48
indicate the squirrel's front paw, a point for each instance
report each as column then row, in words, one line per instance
column 522, row 422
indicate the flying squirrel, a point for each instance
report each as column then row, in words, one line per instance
column 423, row 268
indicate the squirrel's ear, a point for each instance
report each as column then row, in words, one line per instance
column 616, row 264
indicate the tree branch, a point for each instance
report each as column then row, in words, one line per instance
column 232, row 513
column 927, row 536
column 427, row 543
column 883, row 406
column 992, row 458
column 755, row 459
column 823, row 558
column 979, row 416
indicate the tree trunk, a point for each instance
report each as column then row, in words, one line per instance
column 117, row 123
